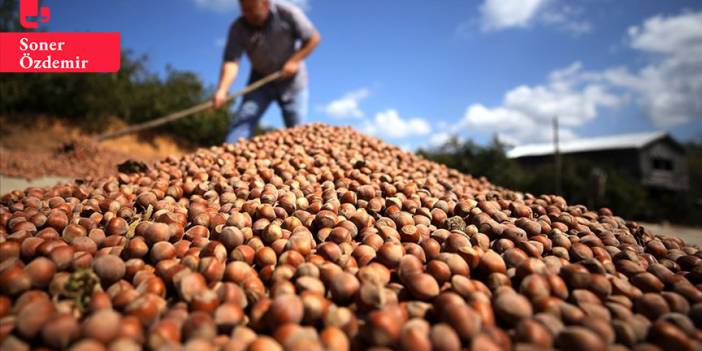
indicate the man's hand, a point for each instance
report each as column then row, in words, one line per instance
column 293, row 64
column 226, row 78
column 219, row 98
column 290, row 68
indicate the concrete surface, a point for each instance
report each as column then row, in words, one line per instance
column 691, row 235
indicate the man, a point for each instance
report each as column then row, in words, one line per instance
column 276, row 36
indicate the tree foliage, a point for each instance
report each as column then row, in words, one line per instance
column 9, row 17
column 134, row 95
column 90, row 100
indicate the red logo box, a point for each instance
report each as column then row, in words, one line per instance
column 59, row 52
column 31, row 14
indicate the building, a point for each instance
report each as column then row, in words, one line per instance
column 656, row 159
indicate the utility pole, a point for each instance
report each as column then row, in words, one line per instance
column 557, row 156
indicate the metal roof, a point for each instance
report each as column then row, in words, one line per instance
column 622, row 141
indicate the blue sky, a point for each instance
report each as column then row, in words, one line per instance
column 415, row 72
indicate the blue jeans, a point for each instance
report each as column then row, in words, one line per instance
column 293, row 104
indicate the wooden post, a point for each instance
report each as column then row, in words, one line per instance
column 557, row 156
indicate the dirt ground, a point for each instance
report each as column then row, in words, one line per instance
column 32, row 147
column 41, row 133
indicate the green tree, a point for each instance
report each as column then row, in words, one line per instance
column 90, row 101
column 468, row 157
column 134, row 94
column 9, row 16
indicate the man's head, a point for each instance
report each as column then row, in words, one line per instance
column 255, row 12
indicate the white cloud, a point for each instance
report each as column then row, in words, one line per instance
column 501, row 14
column 505, row 14
column 566, row 17
column 407, row 147
column 348, row 105
column 389, row 124
column 229, row 5
column 438, row 139
column 566, row 96
column 218, row 5
column 512, row 126
column 303, row 4
column 670, row 35
column 220, row 42
column 669, row 88
column 527, row 112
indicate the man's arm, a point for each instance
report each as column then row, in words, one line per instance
column 226, row 78
column 293, row 64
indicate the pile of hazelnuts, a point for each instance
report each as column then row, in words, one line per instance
column 321, row 238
